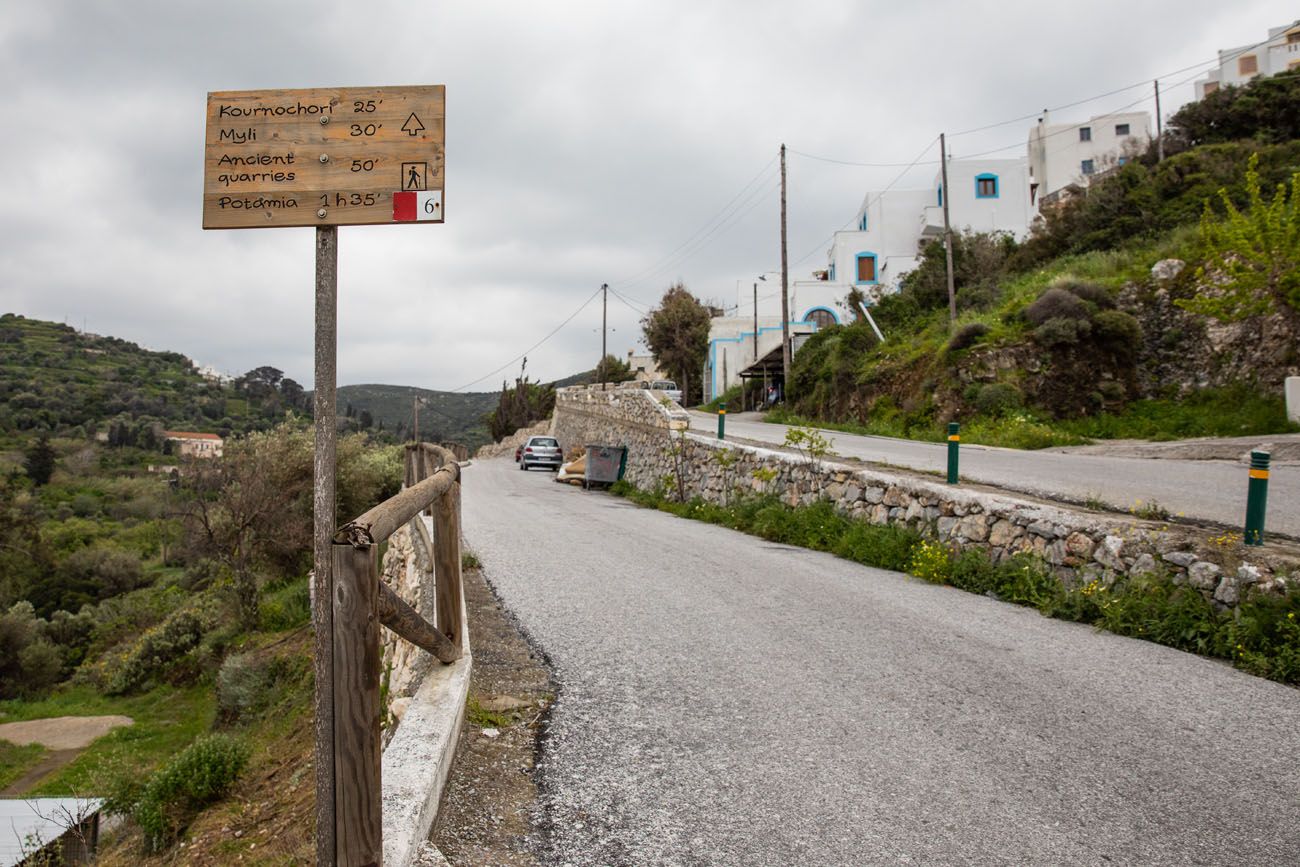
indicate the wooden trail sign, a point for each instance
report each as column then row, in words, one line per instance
column 324, row 157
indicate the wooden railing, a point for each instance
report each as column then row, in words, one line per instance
column 348, row 809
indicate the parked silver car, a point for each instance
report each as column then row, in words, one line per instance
column 541, row 452
column 667, row 388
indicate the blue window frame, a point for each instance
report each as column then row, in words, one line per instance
column 1087, row 167
column 986, row 186
column 866, row 271
column 832, row 274
column 862, row 222
column 941, row 195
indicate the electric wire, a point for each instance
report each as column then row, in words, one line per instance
column 553, row 332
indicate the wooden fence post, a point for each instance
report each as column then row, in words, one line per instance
column 446, row 562
column 358, row 818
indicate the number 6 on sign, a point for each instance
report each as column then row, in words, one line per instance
column 417, row 206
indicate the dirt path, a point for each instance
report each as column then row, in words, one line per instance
column 64, row 736
column 488, row 809
column 49, row 763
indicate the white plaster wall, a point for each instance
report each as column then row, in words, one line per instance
column 1056, row 154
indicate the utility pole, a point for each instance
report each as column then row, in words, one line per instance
column 1160, row 128
column 415, row 412
column 947, row 229
column 755, row 321
column 785, row 294
column 604, row 311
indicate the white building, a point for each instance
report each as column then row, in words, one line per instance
column 736, row 347
column 1065, row 155
column 891, row 228
column 1239, row 65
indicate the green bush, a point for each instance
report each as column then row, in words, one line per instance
column 1062, row 331
column 1056, row 303
column 154, row 654
column 997, row 398
column 200, row 775
column 886, row 546
column 967, row 336
column 287, row 607
column 1092, row 293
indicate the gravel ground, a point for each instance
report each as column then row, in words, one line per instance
column 722, row 700
column 488, row 813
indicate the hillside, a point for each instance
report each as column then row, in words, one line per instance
column 70, row 383
column 445, row 416
column 1161, row 304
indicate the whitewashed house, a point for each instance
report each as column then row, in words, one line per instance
column 1239, row 65
column 1064, row 157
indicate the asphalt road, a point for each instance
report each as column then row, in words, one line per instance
column 1212, row 490
column 728, row 701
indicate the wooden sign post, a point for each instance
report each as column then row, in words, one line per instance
column 329, row 157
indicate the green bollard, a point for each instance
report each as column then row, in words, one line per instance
column 954, row 440
column 722, row 421
column 1256, row 498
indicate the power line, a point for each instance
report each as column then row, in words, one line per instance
column 553, row 332
column 871, row 201
column 721, row 215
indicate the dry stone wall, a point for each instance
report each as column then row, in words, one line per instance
column 1080, row 546
column 408, row 569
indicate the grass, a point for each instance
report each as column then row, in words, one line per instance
column 486, row 719
column 15, row 760
column 167, row 719
column 1261, row 635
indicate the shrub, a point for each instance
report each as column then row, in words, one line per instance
column 931, row 562
column 1062, row 331
column 108, row 571
column 1098, row 296
column 885, row 547
column 967, row 336
column 997, row 398
column 1117, row 331
column 1056, row 303
column 156, row 650
column 286, row 608
column 200, row 775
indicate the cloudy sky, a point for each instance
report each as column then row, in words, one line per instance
column 631, row 143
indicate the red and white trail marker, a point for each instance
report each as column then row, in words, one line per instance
column 421, row 206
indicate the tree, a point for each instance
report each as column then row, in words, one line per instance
column 251, row 509
column 1252, row 262
column 38, row 462
column 611, row 369
column 525, row 404
column 677, row 332
column 1265, row 109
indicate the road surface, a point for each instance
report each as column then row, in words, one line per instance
column 724, row 700
column 1211, row 490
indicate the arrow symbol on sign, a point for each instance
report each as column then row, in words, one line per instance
column 412, row 125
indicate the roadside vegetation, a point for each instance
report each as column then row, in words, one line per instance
column 1261, row 636
column 1068, row 335
column 170, row 590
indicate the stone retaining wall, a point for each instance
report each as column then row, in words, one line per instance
column 1079, row 545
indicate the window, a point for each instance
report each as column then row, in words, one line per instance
column 832, row 274
column 866, row 268
column 1211, row 87
column 1248, row 65
column 1085, row 133
column 862, row 223
column 1293, row 37
column 941, row 196
column 986, row 186
column 1123, row 161
column 1087, row 167
column 820, row 316
column 1121, row 129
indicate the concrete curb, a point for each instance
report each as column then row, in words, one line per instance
column 419, row 757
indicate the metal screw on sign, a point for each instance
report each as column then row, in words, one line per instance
column 324, row 158
column 1256, row 498
column 954, row 440
column 722, row 421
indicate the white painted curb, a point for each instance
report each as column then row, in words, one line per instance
column 419, row 757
